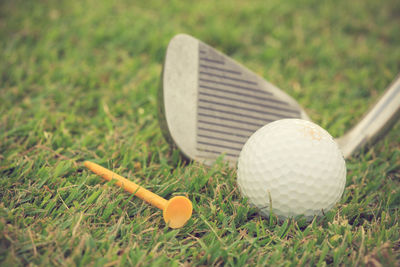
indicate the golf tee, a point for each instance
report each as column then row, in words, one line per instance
column 176, row 211
column 127, row 185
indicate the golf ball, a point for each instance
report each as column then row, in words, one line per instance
column 293, row 167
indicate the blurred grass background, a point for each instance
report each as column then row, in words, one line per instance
column 79, row 79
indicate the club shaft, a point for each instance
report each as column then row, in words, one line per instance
column 375, row 123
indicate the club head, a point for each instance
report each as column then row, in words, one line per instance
column 209, row 105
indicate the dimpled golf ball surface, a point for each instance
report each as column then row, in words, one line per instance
column 294, row 163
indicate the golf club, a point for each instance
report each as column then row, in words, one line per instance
column 210, row 105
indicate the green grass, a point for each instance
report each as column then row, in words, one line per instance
column 79, row 79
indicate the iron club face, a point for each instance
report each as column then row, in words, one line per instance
column 210, row 105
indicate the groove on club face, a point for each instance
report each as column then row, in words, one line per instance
column 232, row 104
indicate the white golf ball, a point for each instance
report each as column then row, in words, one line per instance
column 293, row 166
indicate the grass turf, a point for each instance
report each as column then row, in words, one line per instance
column 79, row 81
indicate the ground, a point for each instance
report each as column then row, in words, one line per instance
column 79, row 81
